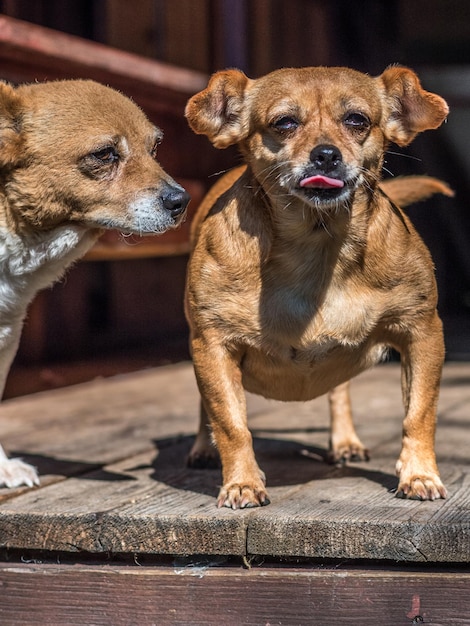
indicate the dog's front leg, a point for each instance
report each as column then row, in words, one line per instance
column 220, row 383
column 345, row 445
column 422, row 361
column 13, row 472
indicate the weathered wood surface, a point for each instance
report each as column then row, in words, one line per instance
column 112, row 459
column 210, row 594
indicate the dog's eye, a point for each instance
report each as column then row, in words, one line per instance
column 285, row 124
column 357, row 121
column 106, row 155
column 158, row 140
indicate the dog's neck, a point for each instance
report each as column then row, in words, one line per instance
column 26, row 222
column 306, row 239
column 25, row 251
column 55, row 249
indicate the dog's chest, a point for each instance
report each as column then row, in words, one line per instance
column 310, row 324
column 306, row 349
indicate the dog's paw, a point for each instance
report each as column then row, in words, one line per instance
column 421, row 488
column 14, row 473
column 203, row 455
column 419, row 483
column 348, row 452
column 237, row 496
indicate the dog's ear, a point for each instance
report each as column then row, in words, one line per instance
column 11, row 139
column 410, row 109
column 218, row 110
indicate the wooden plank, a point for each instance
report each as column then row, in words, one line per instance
column 196, row 593
column 103, row 420
column 352, row 513
column 77, row 429
column 357, row 516
column 144, row 499
column 153, row 504
column 147, row 504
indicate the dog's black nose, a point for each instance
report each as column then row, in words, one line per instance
column 176, row 201
column 326, row 158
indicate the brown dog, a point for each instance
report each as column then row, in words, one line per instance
column 303, row 272
column 75, row 157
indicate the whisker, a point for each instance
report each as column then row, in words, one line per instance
column 219, row 173
column 405, row 156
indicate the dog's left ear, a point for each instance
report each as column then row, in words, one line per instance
column 218, row 110
column 11, row 139
column 411, row 109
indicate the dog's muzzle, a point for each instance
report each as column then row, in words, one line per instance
column 325, row 177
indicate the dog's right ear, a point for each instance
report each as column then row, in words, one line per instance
column 411, row 109
column 11, row 139
column 218, row 111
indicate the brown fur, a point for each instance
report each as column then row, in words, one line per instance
column 292, row 290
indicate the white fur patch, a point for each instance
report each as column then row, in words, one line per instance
column 14, row 472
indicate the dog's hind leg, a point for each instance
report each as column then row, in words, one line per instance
column 345, row 445
column 203, row 454
column 421, row 360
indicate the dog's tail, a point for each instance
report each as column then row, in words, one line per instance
column 405, row 190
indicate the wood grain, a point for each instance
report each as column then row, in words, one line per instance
column 196, row 593
column 112, row 460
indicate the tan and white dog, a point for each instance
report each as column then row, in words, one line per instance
column 76, row 157
column 303, row 271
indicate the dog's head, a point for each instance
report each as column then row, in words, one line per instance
column 77, row 151
column 315, row 133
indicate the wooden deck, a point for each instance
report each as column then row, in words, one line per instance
column 117, row 499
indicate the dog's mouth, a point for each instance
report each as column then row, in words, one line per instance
column 321, row 182
column 324, row 189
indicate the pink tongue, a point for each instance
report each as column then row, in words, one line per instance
column 321, row 182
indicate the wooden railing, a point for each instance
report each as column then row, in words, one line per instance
column 29, row 53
